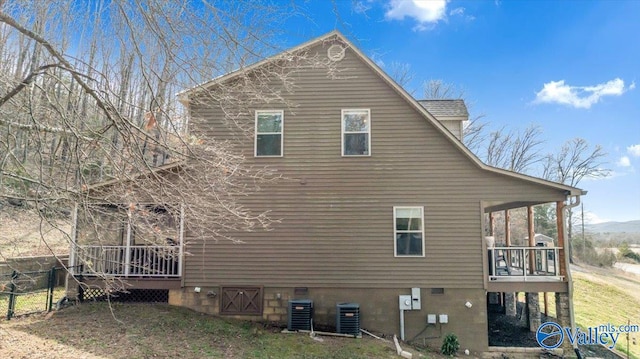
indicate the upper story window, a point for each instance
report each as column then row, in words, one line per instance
column 356, row 132
column 408, row 231
column 269, row 125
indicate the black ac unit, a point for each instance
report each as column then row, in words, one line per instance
column 348, row 318
column 300, row 312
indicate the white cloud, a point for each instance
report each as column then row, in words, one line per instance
column 426, row 12
column 457, row 11
column 624, row 161
column 460, row 12
column 632, row 86
column 634, row 150
column 580, row 96
column 592, row 218
column 359, row 7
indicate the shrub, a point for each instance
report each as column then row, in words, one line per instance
column 450, row 345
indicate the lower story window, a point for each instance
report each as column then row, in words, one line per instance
column 408, row 231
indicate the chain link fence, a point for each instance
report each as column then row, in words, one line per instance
column 24, row 293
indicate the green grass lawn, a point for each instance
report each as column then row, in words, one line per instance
column 149, row 331
column 27, row 303
column 599, row 303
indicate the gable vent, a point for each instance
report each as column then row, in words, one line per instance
column 335, row 52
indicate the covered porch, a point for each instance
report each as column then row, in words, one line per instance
column 518, row 256
column 525, row 269
column 133, row 241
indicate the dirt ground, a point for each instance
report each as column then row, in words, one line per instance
column 625, row 281
column 134, row 330
column 25, row 233
column 511, row 331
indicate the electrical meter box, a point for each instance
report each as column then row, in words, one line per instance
column 444, row 319
column 415, row 299
column 431, row 319
column 405, row 302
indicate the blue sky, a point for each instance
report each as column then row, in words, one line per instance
column 570, row 67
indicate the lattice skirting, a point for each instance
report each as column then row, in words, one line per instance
column 130, row 296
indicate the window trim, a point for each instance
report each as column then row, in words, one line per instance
column 395, row 233
column 281, row 133
column 342, row 125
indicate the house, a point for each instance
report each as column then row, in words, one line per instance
column 379, row 196
column 542, row 240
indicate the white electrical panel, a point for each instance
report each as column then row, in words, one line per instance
column 444, row 319
column 405, row 302
column 415, row 299
column 431, row 319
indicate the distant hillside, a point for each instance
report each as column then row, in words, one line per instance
column 614, row 227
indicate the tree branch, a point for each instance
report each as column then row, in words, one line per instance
column 27, row 80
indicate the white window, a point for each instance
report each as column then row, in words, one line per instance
column 356, row 132
column 408, row 231
column 269, row 125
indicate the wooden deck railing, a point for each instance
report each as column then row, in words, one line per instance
column 128, row 261
column 513, row 263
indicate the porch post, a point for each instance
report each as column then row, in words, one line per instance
column 127, row 253
column 73, row 255
column 507, row 230
column 533, row 311
column 492, row 224
column 180, row 249
column 532, row 241
column 510, row 298
column 510, row 304
column 561, row 242
column 507, row 235
column 70, row 282
column 546, row 304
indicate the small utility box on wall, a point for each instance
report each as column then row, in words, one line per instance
column 404, row 302
column 415, row 299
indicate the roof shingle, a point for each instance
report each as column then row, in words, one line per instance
column 445, row 108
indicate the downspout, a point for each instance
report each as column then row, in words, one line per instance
column 572, row 317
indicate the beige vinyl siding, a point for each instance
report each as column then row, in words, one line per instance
column 336, row 212
column 454, row 126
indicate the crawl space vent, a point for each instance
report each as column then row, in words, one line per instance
column 348, row 318
column 300, row 312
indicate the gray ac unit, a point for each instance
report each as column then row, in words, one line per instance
column 348, row 318
column 300, row 312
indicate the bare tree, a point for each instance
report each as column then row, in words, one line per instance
column 435, row 89
column 88, row 97
column 402, row 74
column 575, row 161
column 514, row 151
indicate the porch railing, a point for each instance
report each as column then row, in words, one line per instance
column 129, row 261
column 524, row 263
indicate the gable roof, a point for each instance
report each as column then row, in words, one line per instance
column 183, row 97
column 446, row 107
column 155, row 171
